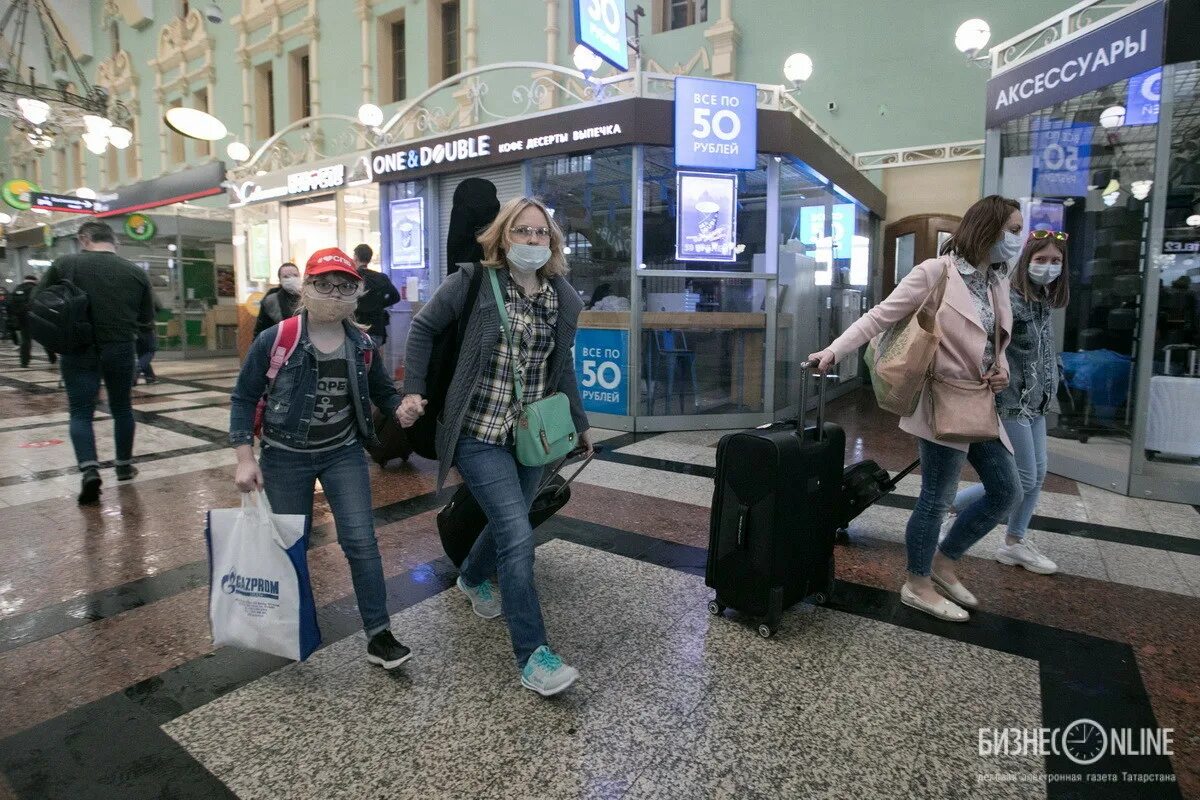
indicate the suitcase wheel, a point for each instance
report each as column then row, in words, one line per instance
column 842, row 536
column 715, row 608
column 766, row 631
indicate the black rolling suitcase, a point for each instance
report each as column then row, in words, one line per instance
column 774, row 515
column 863, row 484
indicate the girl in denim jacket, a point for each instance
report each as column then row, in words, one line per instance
column 1039, row 285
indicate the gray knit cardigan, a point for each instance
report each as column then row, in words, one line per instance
column 482, row 333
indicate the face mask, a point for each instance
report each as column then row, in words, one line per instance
column 528, row 258
column 1006, row 248
column 1044, row 274
column 291, row 284
column 329, row 308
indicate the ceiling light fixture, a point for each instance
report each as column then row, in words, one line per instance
column 1112, row 117
column 971, row 37
column 68, row 103
column 195, row 124
column 370, row 115
column 797, row 69
column 237, row 151
column 1193, row 220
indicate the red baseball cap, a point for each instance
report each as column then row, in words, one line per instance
column 330, row 259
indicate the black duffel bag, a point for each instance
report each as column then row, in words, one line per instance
column 462, row 520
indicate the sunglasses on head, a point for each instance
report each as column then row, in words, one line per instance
column 1058, row 236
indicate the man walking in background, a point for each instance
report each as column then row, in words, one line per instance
column 18, row 304
column 378, row 295
column 121, row 303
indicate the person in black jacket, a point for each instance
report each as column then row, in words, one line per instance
column 378, row 295
column 18, row 305
column 121, row 303
column 475, row 206
column 280, row 302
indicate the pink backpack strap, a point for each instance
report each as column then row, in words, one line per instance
column 287, row 337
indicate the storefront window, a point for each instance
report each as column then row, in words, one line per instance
column 361, row 216
column 735, row 237
column 590, row 197
column 1172, row 432
column 804, row 294
column 312, row 225
column 1079, row 167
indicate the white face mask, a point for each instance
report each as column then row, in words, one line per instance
column 1045, row 274
column 292, row 284
column 1006, row 248
column 528, row 258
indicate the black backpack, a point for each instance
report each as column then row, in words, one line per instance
column 443, row 360
column 18, row 301
column 59, row 318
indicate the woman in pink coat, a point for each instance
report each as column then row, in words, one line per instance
column 976, row 302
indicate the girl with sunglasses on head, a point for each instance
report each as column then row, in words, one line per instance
column 316, row 419
column 1039, row 284
column 528, row 353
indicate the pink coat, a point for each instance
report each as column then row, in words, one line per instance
column 960, row 352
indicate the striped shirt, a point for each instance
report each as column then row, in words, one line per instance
column 492, row 413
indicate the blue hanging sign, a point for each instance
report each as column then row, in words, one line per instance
column 706, row 217
column 602, row 369
column 1108, row 53
column 716, row 124
column 600, row 26
column 1061, row 158
column 1142, row 99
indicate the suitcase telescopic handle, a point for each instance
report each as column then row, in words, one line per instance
column 802, row 415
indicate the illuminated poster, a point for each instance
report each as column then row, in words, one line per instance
column 705, row 220
column 1143, row 98
column 1061, row 158
column 408, row 233
column 812, row 228
column 260, row 256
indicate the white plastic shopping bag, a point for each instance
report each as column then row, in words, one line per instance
column 259, row 595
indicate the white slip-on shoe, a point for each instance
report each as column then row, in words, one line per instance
column 943, row 609
column 958, row 593
column 1024, row 554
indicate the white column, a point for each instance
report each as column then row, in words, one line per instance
column 470, row 54
column 364, row 15
column 551, row 31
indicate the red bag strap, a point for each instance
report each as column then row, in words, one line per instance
column 287, row 337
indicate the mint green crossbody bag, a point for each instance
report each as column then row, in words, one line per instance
column 544, row 430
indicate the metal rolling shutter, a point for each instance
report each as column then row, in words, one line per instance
column 509, row 181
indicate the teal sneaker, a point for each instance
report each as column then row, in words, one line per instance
column 546, row 674
column 484, row 601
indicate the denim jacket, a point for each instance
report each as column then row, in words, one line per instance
column 293, row 395
column 1032, row 361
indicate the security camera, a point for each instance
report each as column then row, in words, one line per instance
column 831, row 106
column 214, row 14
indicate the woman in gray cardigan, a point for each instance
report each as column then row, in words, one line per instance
column 475, row 431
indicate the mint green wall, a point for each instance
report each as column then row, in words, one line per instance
column 867, row 54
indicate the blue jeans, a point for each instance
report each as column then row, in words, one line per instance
column 505, row 490
column 940, row 469
column 289, row 479
column 1029, row 450
column 112, row 362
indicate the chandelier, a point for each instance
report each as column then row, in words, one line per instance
column 41, row 111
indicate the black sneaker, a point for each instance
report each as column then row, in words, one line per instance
column 89, row 492
column 384, row 650
column 126, row 472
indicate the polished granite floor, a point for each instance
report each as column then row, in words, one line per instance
column 110, row 688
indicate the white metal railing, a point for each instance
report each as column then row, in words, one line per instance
column 914, row 156
column 1062, row 27
column 473, row 98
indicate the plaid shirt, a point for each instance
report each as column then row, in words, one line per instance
column 492, row 412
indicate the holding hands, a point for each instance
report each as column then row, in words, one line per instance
column 411, row 409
